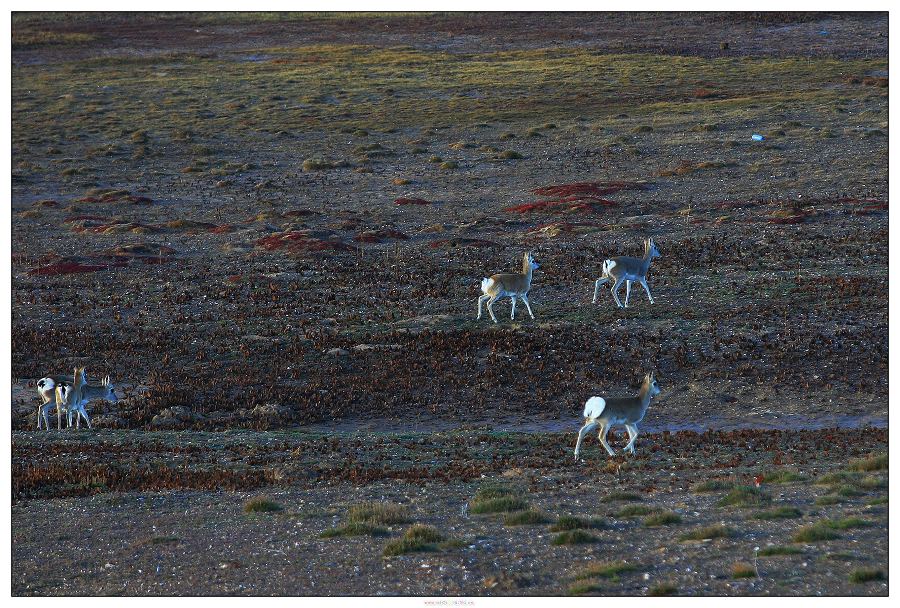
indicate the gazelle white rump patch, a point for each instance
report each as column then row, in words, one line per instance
column 594, row 407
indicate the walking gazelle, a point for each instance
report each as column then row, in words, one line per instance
column 627, row 269
column 606, row 412
column 509, row 284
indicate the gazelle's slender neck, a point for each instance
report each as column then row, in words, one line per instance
column 527, row 270
column 645, row 261
column 644, row 396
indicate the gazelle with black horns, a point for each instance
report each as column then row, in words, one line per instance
column 513, row 285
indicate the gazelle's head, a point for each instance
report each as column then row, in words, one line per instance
column 109, row 391
column 80, row 373
column 650, row 248
column 529, row 262
column 651, row 384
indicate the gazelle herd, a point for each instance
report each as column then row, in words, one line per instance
column 598, row 411
column 71, row 397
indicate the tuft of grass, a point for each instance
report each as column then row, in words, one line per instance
column 320, row 164
column 708, row 532
column 569, row 522
column 662, row 519
column 574, row 537
column 608, row 570
column 866, row 575
column 847, row 491
column 355, row 528
column 712, row 485
column 635, row 511
column 497, row 498
column 836, row 478
column 510, row 155
column 417, row 538
column 642, row 129
column 779, row 513
column 824, row 501
column 743, row 570
column 878, row 501
column 745, row 496
column 873, row 482
column 779, row 550
column 620, row 497
column 814, row 533
column 449, row 164
column 262, row 504
column 530, row 517
column 379, row 513
column 662, row 589
column 783, row 476
column 847, row 523
column 875, row 462
column 583, row 587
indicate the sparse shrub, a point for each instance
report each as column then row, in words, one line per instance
column 507, row 135
column 320, row 164
column 383, row 513
column 642, row 129
column 779, row 550
column 569, row 522
column 712, row 485
column 874, row 462
column 435, row 159
column 779, row 513
column 530, row 517
column 836, row 478
column 662, row 589
column 449, row 164
column 847, row 491
column 261, row 504
column 609, row 570
column 824, row 501
column 743, row 570
column 417, row 538
column 399, row 181
column 705, row 128
column 533, row 132
column 662, row 519
column 878, row 501
column 708, row 532
column 745, row 496
column 866, row 575
column 583, row 587
column 783, row 476
column 495, row 498
column 355, row 528
column 574, row 537
column 510, row 155
column 814, row 533
column 847, row 523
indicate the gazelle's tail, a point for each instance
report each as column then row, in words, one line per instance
column 594, row 407
column 486, row 284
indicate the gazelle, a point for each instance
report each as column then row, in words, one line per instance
column 89, row 392
column 606, row 412
column 511, row 284
column 627, row 269
column 47, row 390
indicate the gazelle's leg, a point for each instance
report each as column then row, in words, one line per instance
column 647, row 289
column 615, row 292
column 597, row 285
column 40, row 410
column 587, row 428
column 490, row 306
column 632, row 435
column 627, row 292
column 512, row 313
column 58, row 417
column 604, row 429
column 45, row 414
column 527, row 305
column 481, row 300
column 83, row 412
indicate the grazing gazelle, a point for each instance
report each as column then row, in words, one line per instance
column 512, row 284
column 606, row 412
column 89, row 392
column 627, row 269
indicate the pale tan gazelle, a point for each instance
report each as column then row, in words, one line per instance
column 513, row 285
column 47, row 390
column 627, row 269
column 606, row 412
column 105, row 391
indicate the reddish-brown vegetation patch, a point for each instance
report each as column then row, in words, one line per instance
column 411, row 201
column 74, row 267
column 580, row 196
column 115, row 196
